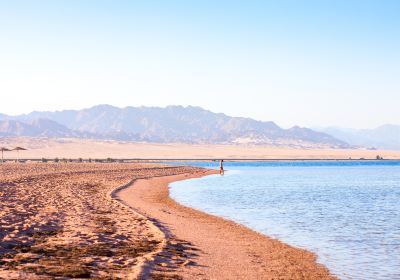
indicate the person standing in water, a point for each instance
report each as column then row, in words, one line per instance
column 221, row 167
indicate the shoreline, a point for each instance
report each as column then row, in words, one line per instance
column 198, row 245
column 168, row 160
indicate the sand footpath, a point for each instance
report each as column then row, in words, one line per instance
column 202, row 246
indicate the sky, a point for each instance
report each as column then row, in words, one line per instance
column 308, row 63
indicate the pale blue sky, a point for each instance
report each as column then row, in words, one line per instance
column 311, row 63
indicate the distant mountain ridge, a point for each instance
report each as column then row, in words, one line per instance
column 383, row 137
column 37, row 128
column 163, row 125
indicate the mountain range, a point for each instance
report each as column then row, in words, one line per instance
column 161, row 125
column 383, row 137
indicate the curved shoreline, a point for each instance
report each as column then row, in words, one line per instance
column 198, row 245
column 139, row 270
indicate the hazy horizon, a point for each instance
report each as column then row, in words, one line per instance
column 122, row 107
column 311, row 63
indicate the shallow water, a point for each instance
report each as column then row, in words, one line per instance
column 348, row 213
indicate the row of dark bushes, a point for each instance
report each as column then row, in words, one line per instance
column 81, row 160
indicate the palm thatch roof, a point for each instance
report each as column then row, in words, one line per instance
column 19, row 149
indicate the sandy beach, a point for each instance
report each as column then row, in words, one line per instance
column 202, row 246
column 60, row 220
column 109, row 221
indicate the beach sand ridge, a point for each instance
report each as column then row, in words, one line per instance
column 59, row 220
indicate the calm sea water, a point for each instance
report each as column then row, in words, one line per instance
column 348, row 213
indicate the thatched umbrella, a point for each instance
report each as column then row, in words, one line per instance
column 2, row 151
column 18, row 149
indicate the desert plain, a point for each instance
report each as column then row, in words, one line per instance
column 51, row 148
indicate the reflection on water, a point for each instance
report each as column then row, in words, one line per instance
column 348, row 213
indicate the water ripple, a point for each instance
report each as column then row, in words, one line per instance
column 349, row 214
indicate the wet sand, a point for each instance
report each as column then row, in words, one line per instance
column 202, row 246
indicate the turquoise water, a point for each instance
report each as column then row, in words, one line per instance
column 348, row 213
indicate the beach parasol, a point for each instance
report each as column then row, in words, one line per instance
column 2, row 151
column 18, row 149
